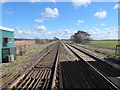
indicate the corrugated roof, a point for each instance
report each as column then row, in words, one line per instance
column 7, row 29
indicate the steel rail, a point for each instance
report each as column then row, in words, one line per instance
column 110, row 82
column 114, row 65
column 55, row 69
column 27, row 70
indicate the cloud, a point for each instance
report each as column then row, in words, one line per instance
column 117, row 6
column 96, row 29
column 80, row 21
column 103, row 24
column 61, row 34
column 106, row 33
column 107, row 29
column 42, row 1
column 52, row 0
column 78, row 3
column 35, row 0
column 65, row 33
column 41, row 33
column 3, row 1
column 9, row 11
column 23, row 33
column 20, row 32
column 40, row 28
column 40, row 20
column 101, row 14
column 96, row 33
column 30, row 34
column 50, row 13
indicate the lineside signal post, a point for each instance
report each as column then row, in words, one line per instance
column 117, row 51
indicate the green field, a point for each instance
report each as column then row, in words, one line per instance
column 106, row 44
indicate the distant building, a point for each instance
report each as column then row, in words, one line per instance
column 7, row 48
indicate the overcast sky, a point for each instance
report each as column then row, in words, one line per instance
column 44, row 20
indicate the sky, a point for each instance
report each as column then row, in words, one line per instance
column 45, row 20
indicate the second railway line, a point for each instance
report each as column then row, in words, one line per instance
column 101, row 67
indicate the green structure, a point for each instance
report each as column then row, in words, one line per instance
column 7, row 49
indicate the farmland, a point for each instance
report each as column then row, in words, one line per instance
column 104, row 43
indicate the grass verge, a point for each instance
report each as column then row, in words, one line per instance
column 28, row 52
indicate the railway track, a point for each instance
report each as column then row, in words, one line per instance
column 52, row 71
column 81, row 74
column 9, row 75
column 103, row 67
column 42, row 74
